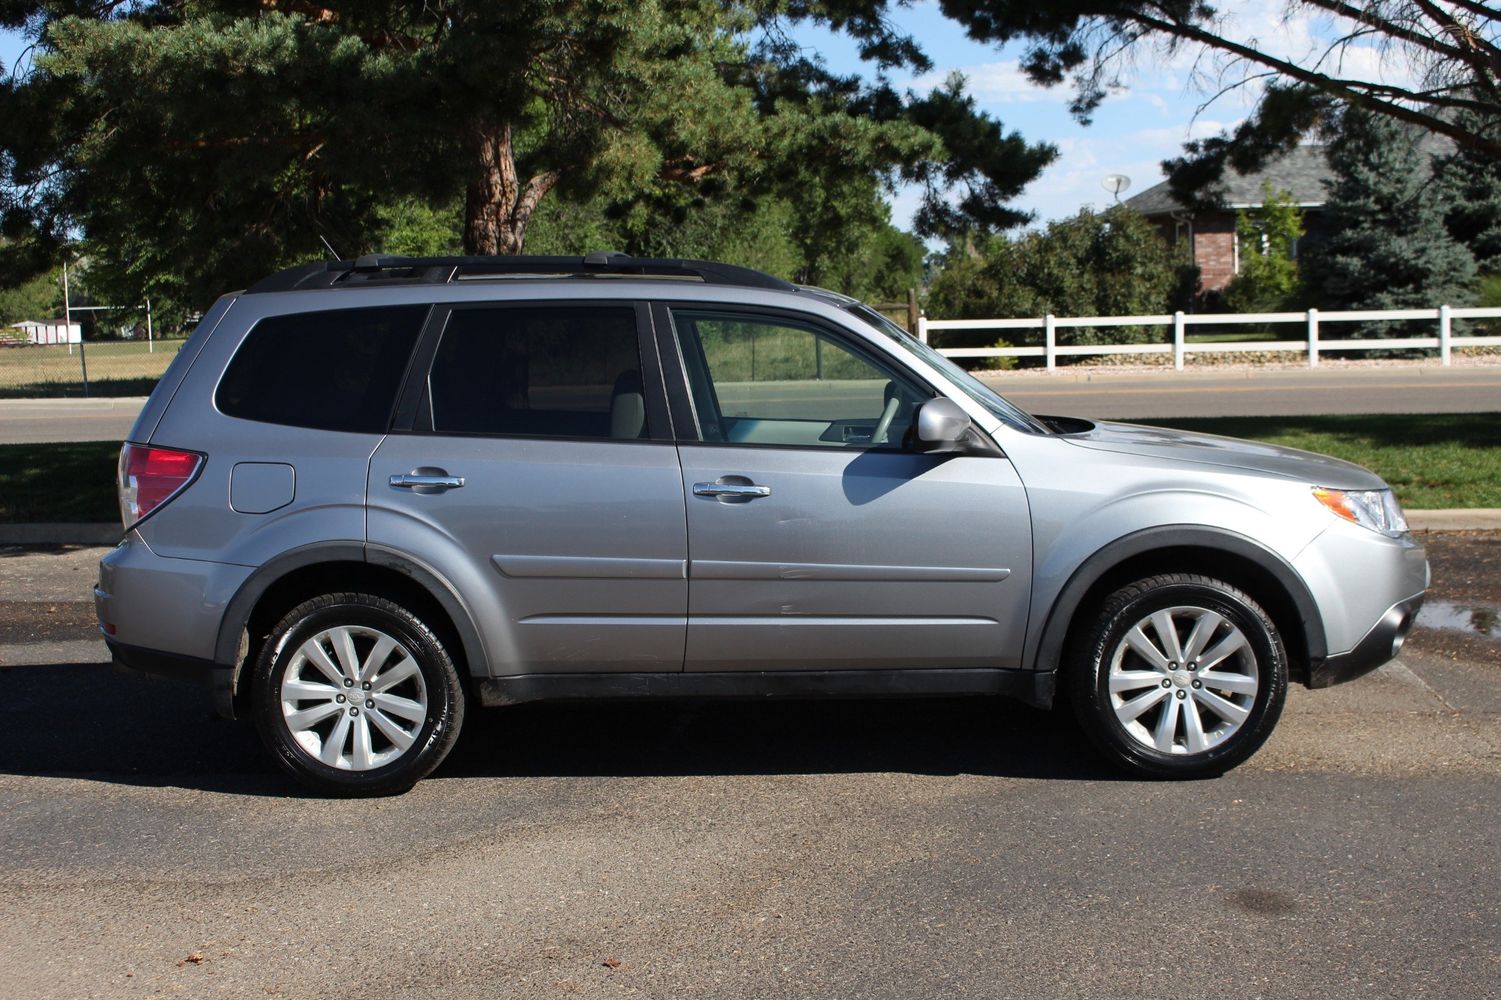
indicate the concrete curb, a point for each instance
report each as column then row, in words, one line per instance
column 1460, row 519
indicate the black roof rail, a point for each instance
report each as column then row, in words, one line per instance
column 441, row 270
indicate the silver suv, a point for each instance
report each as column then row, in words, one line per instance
column 369, row 494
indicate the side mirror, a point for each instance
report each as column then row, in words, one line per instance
column 941, row 425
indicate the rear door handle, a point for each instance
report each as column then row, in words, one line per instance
column 424, row 481
column 748, row 491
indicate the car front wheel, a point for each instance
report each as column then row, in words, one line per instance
column 355, row 695
column 1178, row 676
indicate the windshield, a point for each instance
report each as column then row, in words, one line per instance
column 972, row 387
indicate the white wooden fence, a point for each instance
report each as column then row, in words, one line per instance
column 1443, row 341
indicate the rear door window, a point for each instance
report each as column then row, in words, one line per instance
column 545, row 371
column 335, row 370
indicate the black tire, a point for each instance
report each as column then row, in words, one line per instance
column 363, row 617
column 1129, row 744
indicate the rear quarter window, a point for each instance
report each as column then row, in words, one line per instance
column 335, row 370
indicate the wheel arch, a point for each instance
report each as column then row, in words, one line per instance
column 1217, row 552
column 302, row 573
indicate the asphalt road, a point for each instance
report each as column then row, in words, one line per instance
column 1251, row 393
column 868, row 849
column 29, row 421
column 1407, row 389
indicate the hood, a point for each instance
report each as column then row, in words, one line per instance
column 1210, row 449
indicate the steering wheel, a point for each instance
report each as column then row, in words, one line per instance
column 883, row 426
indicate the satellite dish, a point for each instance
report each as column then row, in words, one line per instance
column 1115, row 184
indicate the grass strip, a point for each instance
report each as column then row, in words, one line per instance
column 115, row 369
column 72, row 482
column 1432, row 460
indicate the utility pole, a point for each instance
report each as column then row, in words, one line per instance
column 83, row 362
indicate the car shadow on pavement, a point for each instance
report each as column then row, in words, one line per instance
column 989, row 736
column 89, row 722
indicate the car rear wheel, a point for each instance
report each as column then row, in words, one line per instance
column 1178, row 676
column 355, row 695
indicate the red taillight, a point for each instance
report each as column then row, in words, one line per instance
column 150, row 476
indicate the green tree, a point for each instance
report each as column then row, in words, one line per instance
column 1470, row 183
column 198, row 144
column 1386, row 245
column 38, row 299
column 854, row 249
column 1110, row 263
column 413, row 228
column 1267, row 239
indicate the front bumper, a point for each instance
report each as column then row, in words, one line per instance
column 1367, row 587
column 1380, row 645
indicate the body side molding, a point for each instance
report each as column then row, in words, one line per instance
column 1024, row 685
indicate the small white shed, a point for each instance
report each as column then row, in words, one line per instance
column 50, row 331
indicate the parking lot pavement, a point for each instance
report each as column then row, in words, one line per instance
column 935, row 848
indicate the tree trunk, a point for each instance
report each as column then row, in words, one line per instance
column 497, row 206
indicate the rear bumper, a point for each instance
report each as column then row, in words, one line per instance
column 1380, row 645
column 154, row 602
column 219, row 679
column 161, row 616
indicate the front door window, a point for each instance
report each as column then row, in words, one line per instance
column 767, row 381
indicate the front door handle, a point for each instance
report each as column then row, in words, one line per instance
column 746, row 491
column 426, row 481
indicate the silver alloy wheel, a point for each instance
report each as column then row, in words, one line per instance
column 353, row 697
column 1183, row 680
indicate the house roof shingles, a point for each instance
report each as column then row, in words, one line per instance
column 1301, row 173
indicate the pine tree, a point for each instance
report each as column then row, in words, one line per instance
column 1386, row 246
column 196, row 146
column 1472, row 186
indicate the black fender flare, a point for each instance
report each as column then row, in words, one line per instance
column 1055, row 628
column 237, row 612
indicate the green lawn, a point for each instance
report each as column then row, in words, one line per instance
column 30, row 474
column 116, row 368
column 1432, row 460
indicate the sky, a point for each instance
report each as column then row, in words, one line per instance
column 1167, row 98
column 1164, row 101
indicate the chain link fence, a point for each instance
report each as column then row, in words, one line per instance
column 94, row 368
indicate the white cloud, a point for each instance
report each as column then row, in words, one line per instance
column 992, row 83
column 1075, row 179
column 1176, row 135
column 1289, row 33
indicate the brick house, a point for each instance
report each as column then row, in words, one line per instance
column 1211, row 235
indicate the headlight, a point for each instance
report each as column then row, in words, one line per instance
column 1375, row 509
